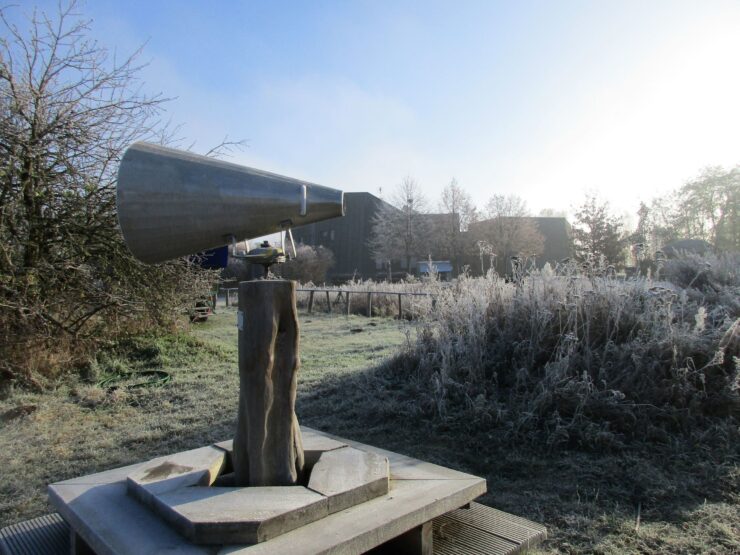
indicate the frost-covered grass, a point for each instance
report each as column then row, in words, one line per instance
column 584, row 401
column 82, row 426
column 605, row 408
column 587, row 359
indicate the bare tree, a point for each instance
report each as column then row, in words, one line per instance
column 458, row 212
column 402, row 231
column 68, row 109
column 508, row 231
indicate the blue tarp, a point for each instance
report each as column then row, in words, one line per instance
column 215, row 258
column 440, row 266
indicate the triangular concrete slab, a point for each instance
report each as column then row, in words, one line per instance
column 349, row 477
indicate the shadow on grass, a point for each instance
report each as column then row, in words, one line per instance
column 590, row 501
column 687, row 495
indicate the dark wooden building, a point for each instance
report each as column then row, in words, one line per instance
column 558, row 242
column 558, row 239
column 347, row 238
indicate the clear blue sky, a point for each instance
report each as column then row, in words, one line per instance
column 542, row 99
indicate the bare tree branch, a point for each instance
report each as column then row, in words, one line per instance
column 68, row 110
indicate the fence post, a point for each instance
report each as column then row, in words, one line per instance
column 400, row 309
column 369, row 304
column 348, row 310
column 328, row 302
column 228, row 294
column 310, row 301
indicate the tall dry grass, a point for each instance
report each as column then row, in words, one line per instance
column 578, row 356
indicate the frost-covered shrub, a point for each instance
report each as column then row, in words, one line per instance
column 580, row 356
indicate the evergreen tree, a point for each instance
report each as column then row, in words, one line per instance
column 597, row 233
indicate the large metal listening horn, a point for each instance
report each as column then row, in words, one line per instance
column 173, row 203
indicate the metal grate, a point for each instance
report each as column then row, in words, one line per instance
column 483, row 530
column 47, row 534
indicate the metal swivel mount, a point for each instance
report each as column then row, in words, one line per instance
column 266, row 254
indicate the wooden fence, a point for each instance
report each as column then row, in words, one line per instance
column 346, row 296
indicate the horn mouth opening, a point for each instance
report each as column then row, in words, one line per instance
column 171, row 203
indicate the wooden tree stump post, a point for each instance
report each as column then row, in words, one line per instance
column 268, row 450
column 310, row 302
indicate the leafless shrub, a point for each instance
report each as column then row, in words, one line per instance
column 68, row 109
column 310, row 264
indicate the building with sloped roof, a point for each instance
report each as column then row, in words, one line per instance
column 558, row 239
column 555, row 231
column 347, row 238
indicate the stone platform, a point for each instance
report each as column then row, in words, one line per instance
column 106, row 516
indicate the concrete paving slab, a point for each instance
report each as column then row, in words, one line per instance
column 104, row 477
column 226, row 445
column 403, row 467
column 122, row 472
column 314, row 443
column 114, row 523
column 199, row 467
column 349, row 476
column 240, row 515
column 409, row 504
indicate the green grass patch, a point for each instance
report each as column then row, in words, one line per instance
column 80, row 427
